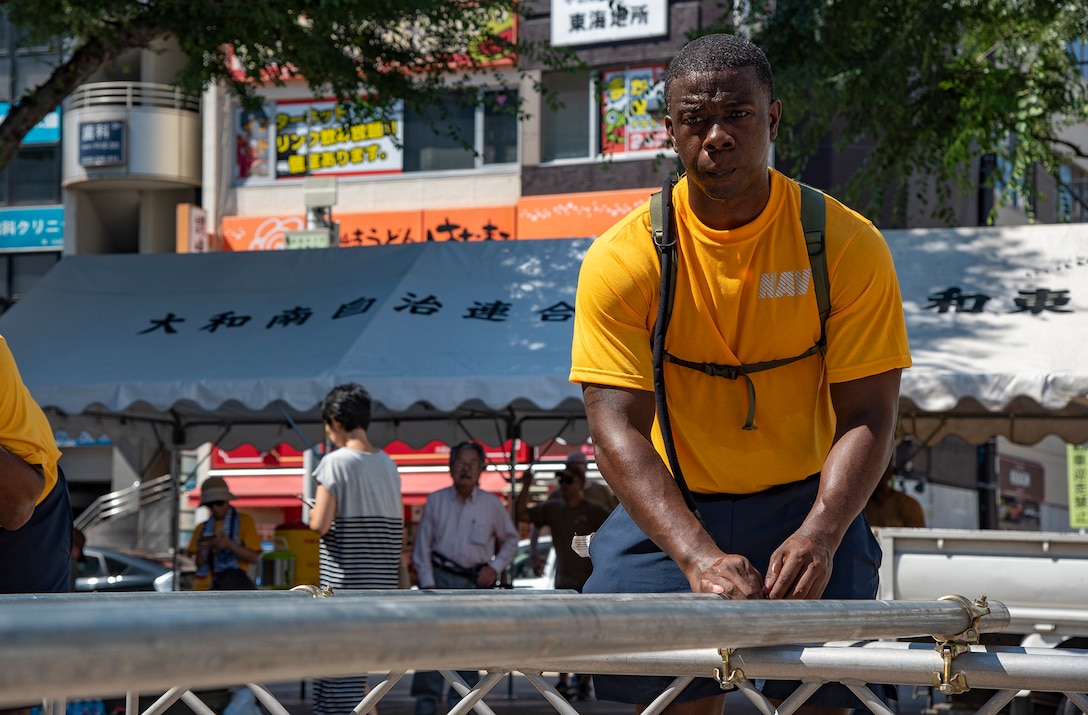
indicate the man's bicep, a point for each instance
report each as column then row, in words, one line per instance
column 620, row 422
column 872, row 401
column 611, row 410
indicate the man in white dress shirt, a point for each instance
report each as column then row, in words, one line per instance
column 465, row 540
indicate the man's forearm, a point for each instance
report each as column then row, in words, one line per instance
column 620, row 423
column 654, row 502
column 850, row 474
column 866, row 411
column 20, row 486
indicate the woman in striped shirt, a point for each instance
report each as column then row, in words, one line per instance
column 359, row 515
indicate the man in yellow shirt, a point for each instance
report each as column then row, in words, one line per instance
column 779, row 463
column 35, row 515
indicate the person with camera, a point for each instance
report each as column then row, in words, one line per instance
column 226, row 544
column 571, row 514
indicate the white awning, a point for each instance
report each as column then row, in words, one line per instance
column 458, row 340
column 451, row 339
column 998, row 326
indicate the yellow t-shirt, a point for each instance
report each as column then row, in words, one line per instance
column 24, row 429
column 247, row 537
column 742, row 296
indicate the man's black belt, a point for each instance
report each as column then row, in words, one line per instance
column 444, row 563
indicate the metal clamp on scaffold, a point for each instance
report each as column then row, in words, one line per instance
column 949, row 647
column 727, row 676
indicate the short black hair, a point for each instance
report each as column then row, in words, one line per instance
column 714, row 53
column 469, row 444
column 349, row 404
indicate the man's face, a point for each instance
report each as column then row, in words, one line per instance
column 335, row 432
column 722, row 124
column 570, row 483
column 465, row 470
column 218, row 509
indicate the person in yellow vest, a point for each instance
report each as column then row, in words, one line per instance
column 226, row 544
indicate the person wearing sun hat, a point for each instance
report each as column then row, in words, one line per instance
column 226, row 544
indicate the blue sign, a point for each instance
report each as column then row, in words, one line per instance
column 47, row 131
column 35, row 228
column 101, row 143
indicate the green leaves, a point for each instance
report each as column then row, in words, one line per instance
column 367, row 54
column 927, row 87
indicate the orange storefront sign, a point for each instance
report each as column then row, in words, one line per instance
column 583, row 215
column 259, row 233
column 380, row 228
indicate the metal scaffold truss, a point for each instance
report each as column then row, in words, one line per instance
column 273, row 636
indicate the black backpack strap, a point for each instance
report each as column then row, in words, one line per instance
column 813, row 220
column 663, row 232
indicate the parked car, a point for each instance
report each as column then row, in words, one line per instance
column 523, row 571
column 109, row 570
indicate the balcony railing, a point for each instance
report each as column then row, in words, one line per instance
column 125, row 502
column 133, row 94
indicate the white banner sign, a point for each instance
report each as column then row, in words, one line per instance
column 585, row 22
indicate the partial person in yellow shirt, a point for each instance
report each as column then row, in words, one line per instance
column 35, row 515
column 225, row 545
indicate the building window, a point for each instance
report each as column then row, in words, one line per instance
column 33, row 177
column 566, row 131
column 491, row 128
column 1072, row 200
column 20, row 271
column 620, row 112
column 439, row 147
column 38, row 172
column 500, row 123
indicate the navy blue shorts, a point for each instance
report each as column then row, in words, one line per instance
column 626, row 561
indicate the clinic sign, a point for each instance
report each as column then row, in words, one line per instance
column 586, row 22
column 31, row 229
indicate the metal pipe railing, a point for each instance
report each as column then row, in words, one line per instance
column 159, row 642
column 872, row 662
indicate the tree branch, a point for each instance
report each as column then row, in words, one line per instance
column 36, row 104
column 1075, row 148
